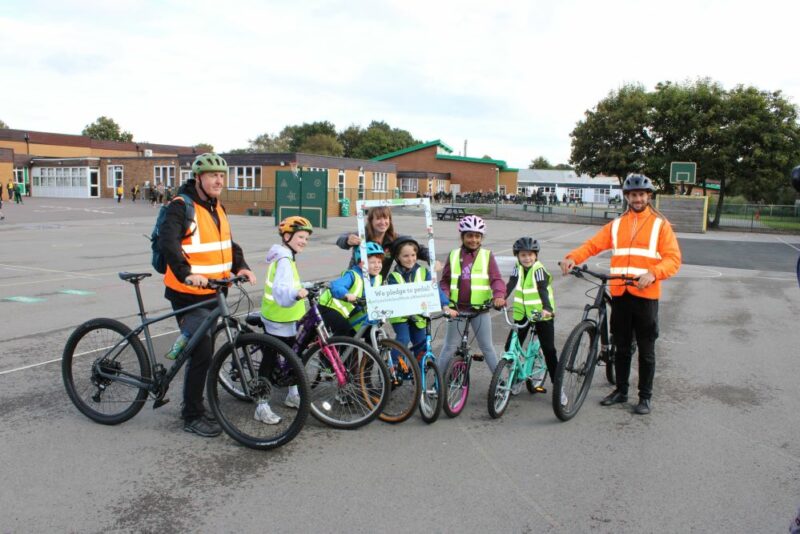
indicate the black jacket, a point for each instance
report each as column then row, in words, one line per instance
column 172, row 232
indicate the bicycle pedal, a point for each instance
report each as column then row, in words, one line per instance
column 477, row 357
column 540, row 389
column 159, row 403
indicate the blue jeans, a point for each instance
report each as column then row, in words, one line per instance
column 408, row 332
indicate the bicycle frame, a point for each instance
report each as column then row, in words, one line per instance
column 312, row 323
column 523, row 359
column 163, row 377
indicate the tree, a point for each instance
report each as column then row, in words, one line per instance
column 613, row 139
column 106, row 129
column 297, row 134
column 202, row 148
column 377, row 139
column 540, row 163
column 323, row 145
column 746, row 138
column 563, row 167
column 4, row 125
column 270, row 143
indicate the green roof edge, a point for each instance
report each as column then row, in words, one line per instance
column 497, row 162
column 412, row 149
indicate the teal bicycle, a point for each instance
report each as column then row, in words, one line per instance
column 517, row 366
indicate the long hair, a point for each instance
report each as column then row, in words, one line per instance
column 381, row 211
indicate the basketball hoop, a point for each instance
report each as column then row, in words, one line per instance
column 293, row 167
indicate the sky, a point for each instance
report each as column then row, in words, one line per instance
column 510, row 78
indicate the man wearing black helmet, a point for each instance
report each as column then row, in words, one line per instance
column 643, row 246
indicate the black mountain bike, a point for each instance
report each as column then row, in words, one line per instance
column 584, row 349
column 109, row 374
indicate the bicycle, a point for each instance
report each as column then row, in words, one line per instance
column 582, row 352
column 109, row 374
column 456, row 376
column 348, row 380
column 404, row 371
column 517, row 366
column 431, row 398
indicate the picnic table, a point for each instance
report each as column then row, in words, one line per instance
column 451, row 213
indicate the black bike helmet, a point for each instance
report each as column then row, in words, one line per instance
column 637, row 182
column 796, row 178
column 400, row 241
column 525, row 243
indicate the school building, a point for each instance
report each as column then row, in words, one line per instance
column 569, row 186
column 430, row 168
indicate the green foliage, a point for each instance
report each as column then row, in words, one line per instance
column 4, row 125
column 746, row 138
column 270, row 143
column 540, row 163
column 378, row 138
column 323, row 145
column 107, row 129
column 202, row 148
column 297, row 134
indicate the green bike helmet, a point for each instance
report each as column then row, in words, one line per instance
column 208, row 162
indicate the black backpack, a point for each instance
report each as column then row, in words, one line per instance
column 158, row 260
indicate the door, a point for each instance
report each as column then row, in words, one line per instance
column 94, row 183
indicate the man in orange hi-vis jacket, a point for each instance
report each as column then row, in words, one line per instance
column 642, row 245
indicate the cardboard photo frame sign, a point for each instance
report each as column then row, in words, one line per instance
column 400, row 300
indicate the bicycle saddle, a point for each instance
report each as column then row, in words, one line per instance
column 133, row 277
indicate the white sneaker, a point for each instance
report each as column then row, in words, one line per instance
column 292, row 401
column 516, row 388
column 564, row 399
column 265, row 414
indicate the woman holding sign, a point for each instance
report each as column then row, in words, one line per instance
column 380, row 229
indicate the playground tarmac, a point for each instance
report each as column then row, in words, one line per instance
column 720, row 452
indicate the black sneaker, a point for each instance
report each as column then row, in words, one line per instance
column 643, row 408
column 202, row 427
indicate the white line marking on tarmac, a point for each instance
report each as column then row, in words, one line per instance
column 26, row 268
column 786, row 243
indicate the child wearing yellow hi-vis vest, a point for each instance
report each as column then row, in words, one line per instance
column 531, row 288
column 411, row 329
column 338, row 303
column 282, row 304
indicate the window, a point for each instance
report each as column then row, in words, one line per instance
column 340, row 185
column 602, row 195
column 185, row 176
column 114, row 174
column 440, row 186
column 379, row 181
column 164, row 175
column 502, row 190
column 315, row 169
column 244, row 177
column 573, row 193
column 361, row 185
column 408, row 185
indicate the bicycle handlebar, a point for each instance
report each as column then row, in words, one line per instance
column 534, row 317
column 603, row 277
column 218, row 283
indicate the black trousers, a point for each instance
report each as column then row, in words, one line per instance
column 547, row 339
column 635, row 316
column 200, row 359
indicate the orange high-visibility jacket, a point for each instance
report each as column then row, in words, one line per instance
column 639, row 242
column 208, row 250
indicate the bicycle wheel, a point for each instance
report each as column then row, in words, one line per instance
column 536, row 382
column 101, row 345
column 575, row 370
column 456, row 384
column 229, row 376
column 405, row 385
column 500, row 388
column 430, row 401
column 365, row 391
column 236, row 415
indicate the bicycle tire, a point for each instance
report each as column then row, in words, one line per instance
column 430, row 400
column 499, row 393
column 88, row 344
column 228, row 374
column 361, row 399
column 535, row 384
column 456, row 386
column 236, row 415
column 405, row 390
column 575, row 370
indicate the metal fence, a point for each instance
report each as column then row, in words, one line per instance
column 757, row 217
